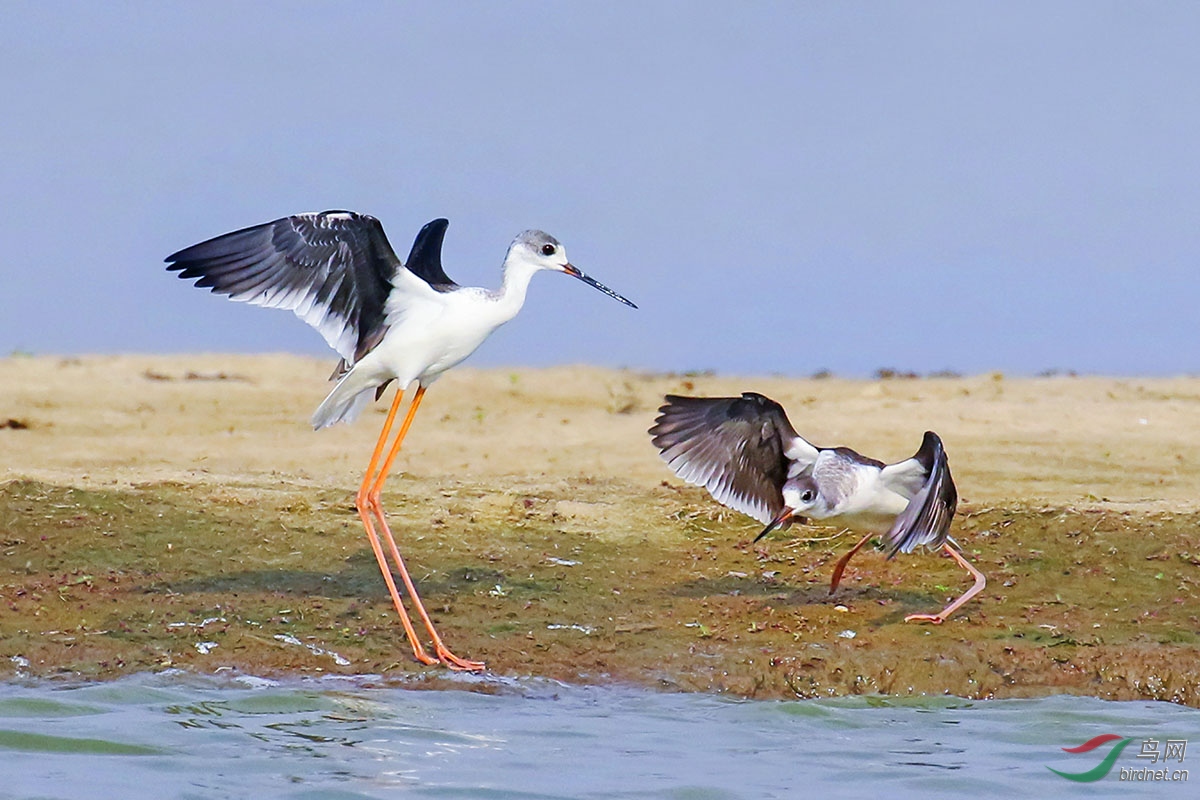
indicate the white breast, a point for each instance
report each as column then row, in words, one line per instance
column 428, row 336
column 857, row 497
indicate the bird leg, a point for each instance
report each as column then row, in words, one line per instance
column 841, row 564
column 375, row 504
column 363, row 503
column 941, row 616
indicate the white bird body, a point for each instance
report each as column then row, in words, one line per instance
column 746, row 453
column 861, row 495
column 428, row 333
column 873, row 507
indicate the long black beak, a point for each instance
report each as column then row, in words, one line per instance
column 785, row 518
column 575, row 272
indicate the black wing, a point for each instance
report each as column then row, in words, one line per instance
column 732, row 446
column 926, row 520
column 334, row 269
column 425, row 258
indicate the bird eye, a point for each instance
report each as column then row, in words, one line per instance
column 548, row 249
column 806, row 496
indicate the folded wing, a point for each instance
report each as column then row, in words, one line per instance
column 926, row 520
column 425, row 257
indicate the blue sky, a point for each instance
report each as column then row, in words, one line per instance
column 781, row 187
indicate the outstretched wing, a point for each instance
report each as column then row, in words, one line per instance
column 333, row 269
column 738, row 448
column 926, row 520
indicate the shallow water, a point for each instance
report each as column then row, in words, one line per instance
column 184, row 736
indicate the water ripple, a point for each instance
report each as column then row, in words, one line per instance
column 185, row 736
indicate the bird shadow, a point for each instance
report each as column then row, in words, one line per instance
column 358, row 578
column 781, row 594
column 748, row 586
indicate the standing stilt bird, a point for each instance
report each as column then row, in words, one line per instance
column 389, row 322
column 746, row 453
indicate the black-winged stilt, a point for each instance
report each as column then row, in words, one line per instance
column 746, row 453
column 389, row 322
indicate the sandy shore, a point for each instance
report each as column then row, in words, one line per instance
column 1076, row 488
column 1131, row 444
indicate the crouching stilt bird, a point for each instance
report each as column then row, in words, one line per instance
column 746, row 453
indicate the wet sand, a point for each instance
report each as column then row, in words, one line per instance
column 178, row 512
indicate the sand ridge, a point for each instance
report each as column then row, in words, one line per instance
column 121, row 420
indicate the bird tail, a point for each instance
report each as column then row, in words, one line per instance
column 347, row 400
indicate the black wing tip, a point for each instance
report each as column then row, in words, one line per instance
column 673, row 402
column 428, row 241
column 665, row 434
column 662, row 415
column 425, row 257
column 930, row 451
column 932, row 456
column 180, row 259
column 186, row 269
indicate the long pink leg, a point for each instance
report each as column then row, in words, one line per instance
column 841, row 564
column 944, row 614
column 374, row 502
column 362, row 502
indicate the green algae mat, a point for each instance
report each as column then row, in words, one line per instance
column 159, row 514
column 102, row 583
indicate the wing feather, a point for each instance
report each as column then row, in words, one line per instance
column 425, row 258
column 926, row 520
column 735, row 447
column 333, row 269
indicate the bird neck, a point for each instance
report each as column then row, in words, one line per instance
column 511, row 294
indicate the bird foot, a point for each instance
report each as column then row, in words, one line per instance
column 936, row 619
column 458, row 664
column 420, row 655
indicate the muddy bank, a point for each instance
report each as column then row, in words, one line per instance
column 149, row 519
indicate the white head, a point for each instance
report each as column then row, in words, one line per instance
column 537, row 250
column 801, row 499
column 802, row 496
